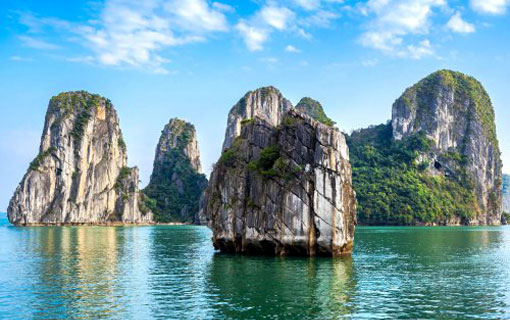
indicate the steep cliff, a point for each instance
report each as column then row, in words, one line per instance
column 283, row 187
column 506, row 193
column 437, row 162
column 80, row 175
column 266, row 103
column 176, row 182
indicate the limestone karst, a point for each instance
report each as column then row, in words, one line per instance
column 80, row 175
column 437, row 162
column 282, row 185
column 177, row 181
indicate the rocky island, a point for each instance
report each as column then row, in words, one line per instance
column 80, row 175
column 437, row 162
column 282, row 185
column 177, row 182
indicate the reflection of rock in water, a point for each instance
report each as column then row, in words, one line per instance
column 78, row 271
column 293, row 288
column 179, row 258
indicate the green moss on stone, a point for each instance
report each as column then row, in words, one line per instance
column 314, row 109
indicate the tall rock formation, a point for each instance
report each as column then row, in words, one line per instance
column 506, row 193
column 265, row 103
column 282, row 186
column 80, row 175
column 176, row 182
column 455, row 112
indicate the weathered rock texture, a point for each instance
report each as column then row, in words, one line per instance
column 80, row 175
column 456, row 114
column 506, row 193
column 283, row 187
column 176, row 182
column 265, row 103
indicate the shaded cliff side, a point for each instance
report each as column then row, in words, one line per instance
column 80, row 175
column 436, row 162
column 283, row 186
column 176, row 182
column 506, row 194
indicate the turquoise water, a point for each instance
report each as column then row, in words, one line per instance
column 170, row 272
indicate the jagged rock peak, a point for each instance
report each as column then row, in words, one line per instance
column 456, row 114
column 80, row 175
column 314, row 109
column 282, row 190
column 181, row 135
column 266, row 103
column 176, row 183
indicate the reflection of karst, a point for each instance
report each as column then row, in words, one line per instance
column 292, row 288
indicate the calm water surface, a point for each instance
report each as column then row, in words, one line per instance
column 173, row 273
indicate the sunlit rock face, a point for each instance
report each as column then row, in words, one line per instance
column 80, row 175
column 265, row 103
column 456, row 114
column 282, row 187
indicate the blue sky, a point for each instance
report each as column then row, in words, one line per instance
column 194, row 59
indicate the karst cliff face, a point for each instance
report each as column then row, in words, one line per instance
column 177, row 181
column 455, row 112
column 506, row 194
column 80, row 175
column 282, row 187
column 265, row 103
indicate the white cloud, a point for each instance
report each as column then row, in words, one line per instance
column 495, row 7
column 277, row 17
column 417, row 52
column 133, row 33
column 254, row 37
column 394, row 21
column 321, row 18
column 37, row 43
column 292, row 49
column 256, row 31
column 457, row 24
column 196, row 15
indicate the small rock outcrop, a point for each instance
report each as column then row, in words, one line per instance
column 265, row 103
column 455, row 113
column 177, row 181
column 80, row 175
column 506, row 193
column 282, row 187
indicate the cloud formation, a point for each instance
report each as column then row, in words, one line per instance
column 132, row 33
column 392, row 22
column 457, row 24
column 494, row 7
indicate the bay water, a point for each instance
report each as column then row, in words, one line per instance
column 172, row 272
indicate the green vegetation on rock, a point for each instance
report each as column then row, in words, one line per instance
column 36, row 163
column 174, row 191
column 465, row 88
column 314, row 109
column 78, row 104
column 393, row 188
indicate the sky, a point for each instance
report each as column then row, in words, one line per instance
column 194, row 59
